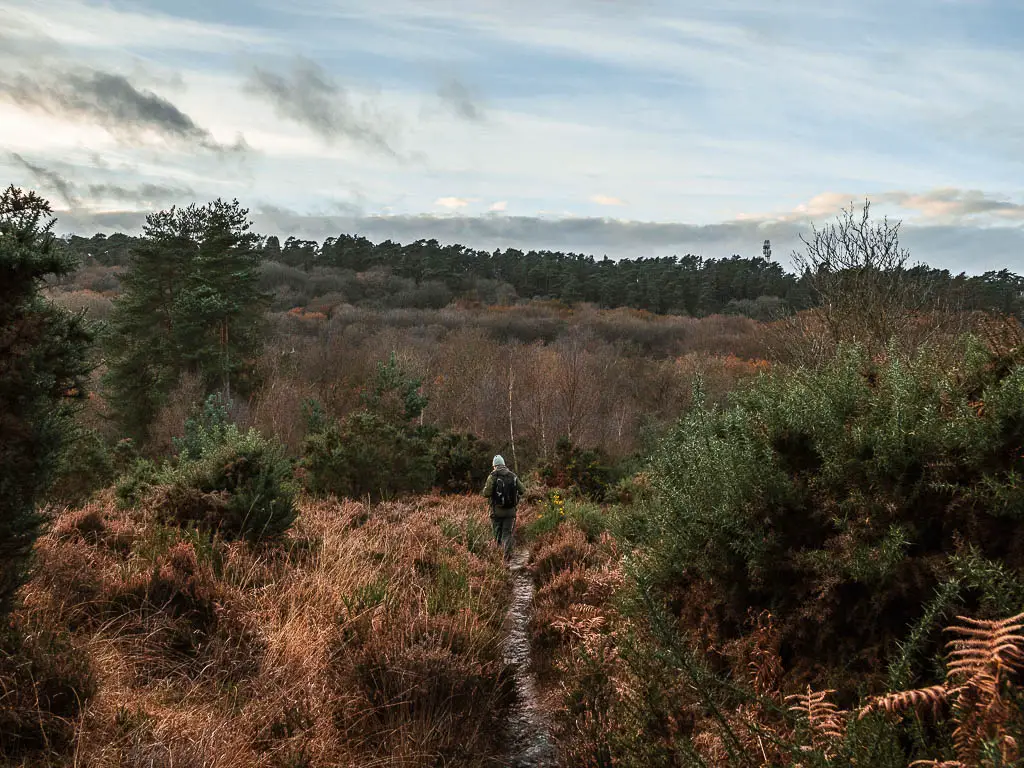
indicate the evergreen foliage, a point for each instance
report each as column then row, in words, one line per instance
column 757, row 287
column 190, row 303
column 43, row 361
column 377, row 451
column 86, row 465
column 238, row 484
column 380, row 451
column 834, row 498
column 462, row 461
column 584, row 470
column 367, row 455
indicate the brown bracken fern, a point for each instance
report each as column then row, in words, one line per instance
column 923, row 700
column 985, row 659
column 765, row 664
column 824, row 719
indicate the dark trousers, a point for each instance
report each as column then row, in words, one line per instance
column 503, row 527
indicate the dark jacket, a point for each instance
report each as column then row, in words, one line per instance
column 488, row 492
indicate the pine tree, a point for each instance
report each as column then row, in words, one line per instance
column 190, row 303
column 220, row 312
column 43, row 361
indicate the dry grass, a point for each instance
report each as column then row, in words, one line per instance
column 574, row 635
column 372, row 636
column 96, row 306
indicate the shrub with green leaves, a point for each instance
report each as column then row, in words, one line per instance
column 835, row 498
column 586, row 470
column 240, row 484
column 85, row 466
column 366, row 455
column 44, row 360
column 463, row 462
column 378, row 451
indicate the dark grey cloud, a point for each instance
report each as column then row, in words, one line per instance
column 109, row 100
column 309, row 96
column 460, row 99
column 74, row 194
column 143, row 194
column 49, row 179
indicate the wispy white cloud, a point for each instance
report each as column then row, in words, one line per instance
column 956, row 205
column 945, row 205
column 104, row 25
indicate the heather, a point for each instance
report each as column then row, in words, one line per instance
column 367, row 634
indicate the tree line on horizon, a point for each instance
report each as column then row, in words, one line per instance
column 757, row 287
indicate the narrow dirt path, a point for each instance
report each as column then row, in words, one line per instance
column 531, row 745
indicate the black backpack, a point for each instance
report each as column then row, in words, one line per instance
column 505, row 494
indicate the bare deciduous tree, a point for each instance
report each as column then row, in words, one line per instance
column 863, row 285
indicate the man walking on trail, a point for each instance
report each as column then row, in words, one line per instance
column 503, row 490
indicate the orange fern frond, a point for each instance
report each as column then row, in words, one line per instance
column 930, row 699
column 824, row 718
column 985, row 649
column 983, row 658
column 765, row 664
column 583, row 620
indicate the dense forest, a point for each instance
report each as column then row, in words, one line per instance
column 430, row 274
column 770, row 519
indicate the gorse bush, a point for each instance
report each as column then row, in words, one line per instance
column 366, row 455
column 242, row 487
column 380, row 451
column 586, row 470
column 835, row 497
column 237, row 483
column 377, row 451
column 462, row 462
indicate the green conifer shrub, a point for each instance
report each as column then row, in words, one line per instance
column 43, row 363
column 237, row 483
column 378, row 451
column 586, row 470
column 462, row 461
column 367, row 455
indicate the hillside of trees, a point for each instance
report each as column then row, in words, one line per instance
column 428, row 274
column 770, row 520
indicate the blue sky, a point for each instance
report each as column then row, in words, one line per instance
column 640, row 128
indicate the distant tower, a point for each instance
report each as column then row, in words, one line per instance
column 766, row 249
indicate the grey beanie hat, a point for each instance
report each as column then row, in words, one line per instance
column 498, row 461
